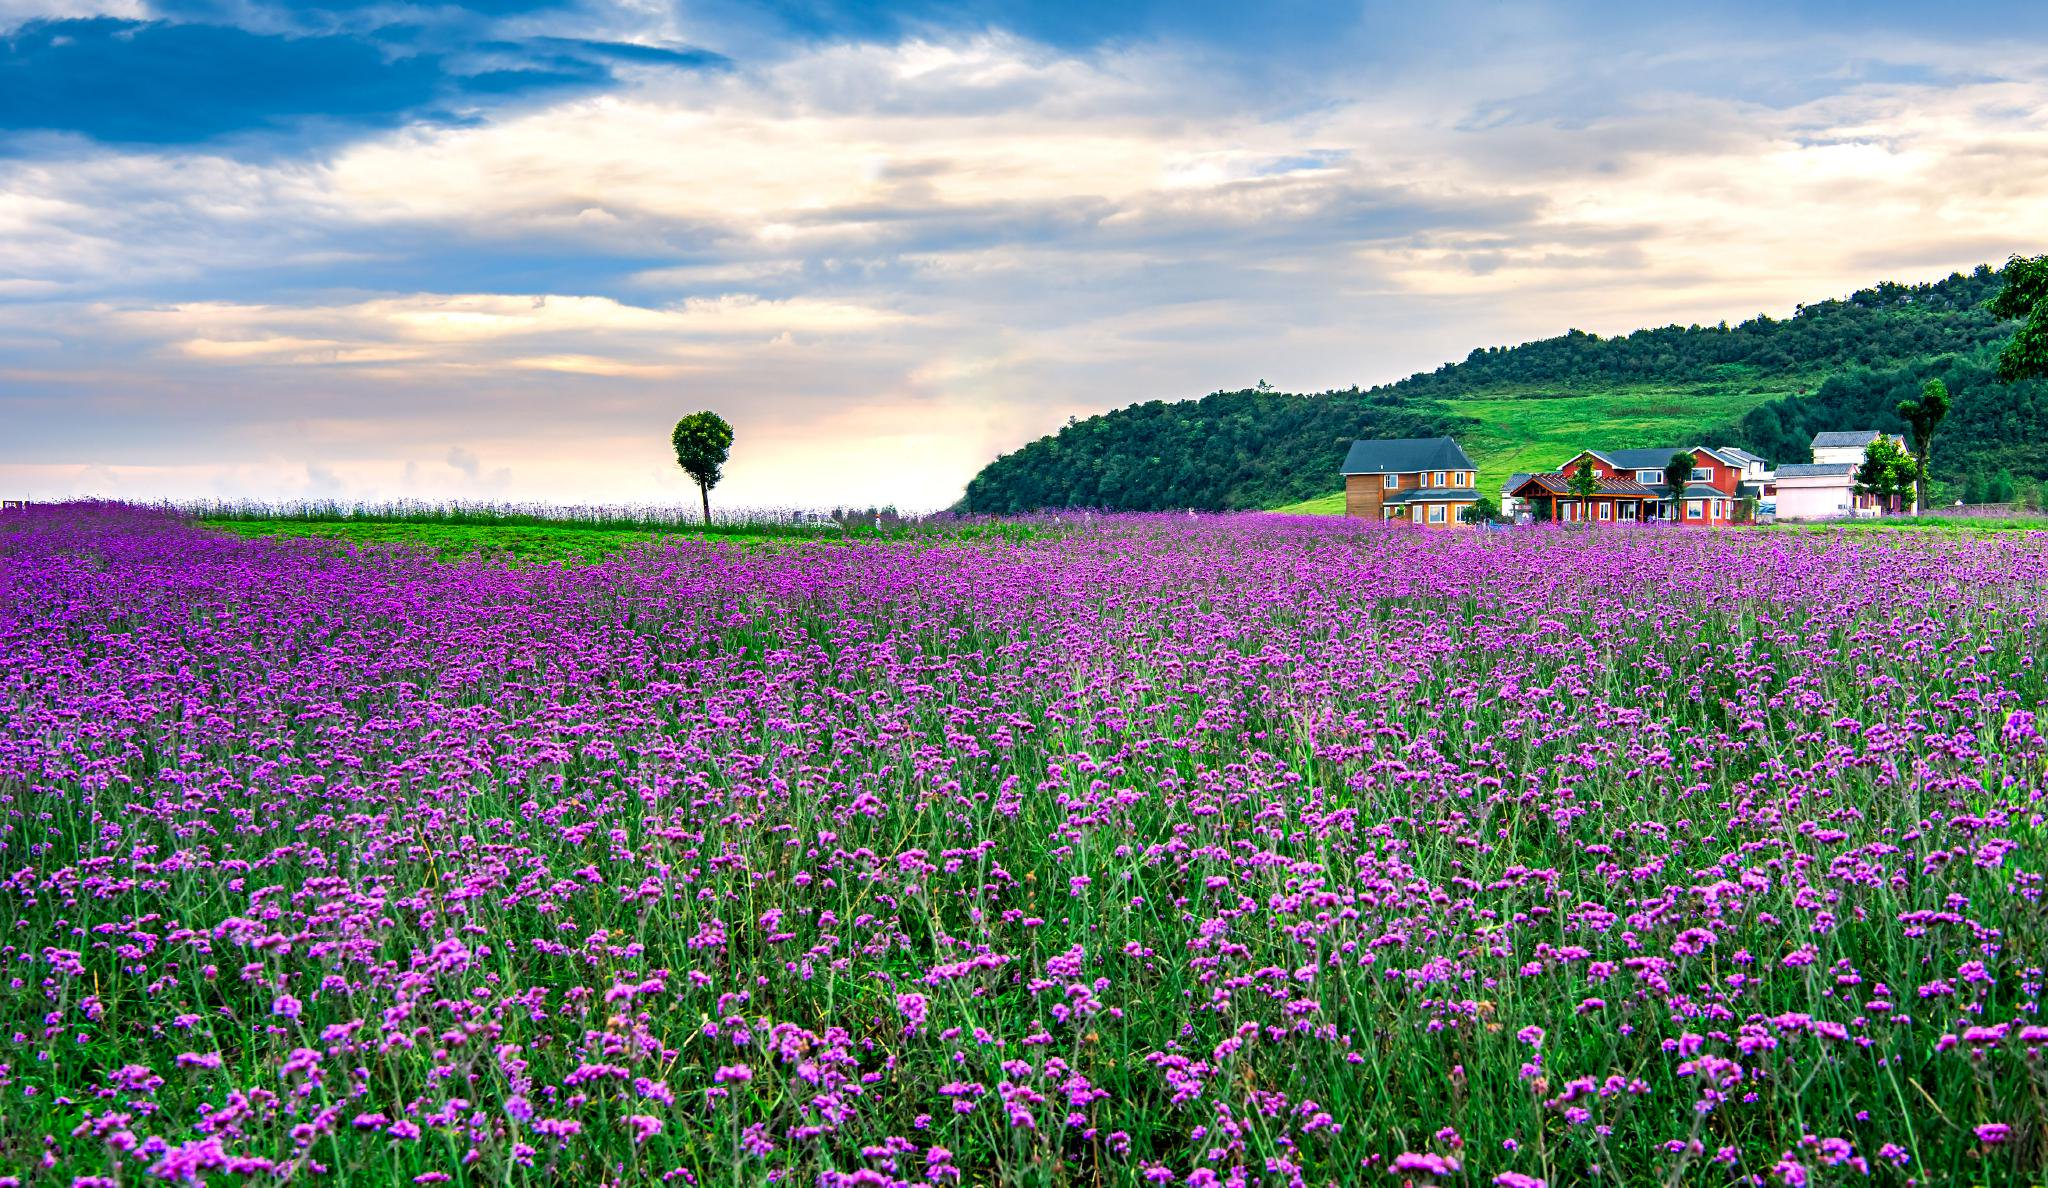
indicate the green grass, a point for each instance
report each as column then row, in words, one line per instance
column 505, row 542
column 1537, row 429
column 1321, row 505
column 576, row 542
column 1955, row 525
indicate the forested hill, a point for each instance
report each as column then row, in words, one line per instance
column 1260, row 448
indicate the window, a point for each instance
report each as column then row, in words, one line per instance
column 1439, row 478
column 1693, row 508
column 1648, row 477
column 1436, row 513
column 1393, row 482
column 1702, row 474
column 1606, row 511
column 1464, row 478
column 1628, row 511
column 1418, row 513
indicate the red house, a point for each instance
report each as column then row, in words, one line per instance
column 1634, row 479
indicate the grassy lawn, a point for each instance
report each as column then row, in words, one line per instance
column 1956, row 525
column 589, row 542
column 1536, row 429
column 455, row 541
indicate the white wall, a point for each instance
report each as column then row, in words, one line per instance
column 1853, row 455
column 1805, row 499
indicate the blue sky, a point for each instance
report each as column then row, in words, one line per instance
column 493, row 250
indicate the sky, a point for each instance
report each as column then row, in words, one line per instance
column 491, row 251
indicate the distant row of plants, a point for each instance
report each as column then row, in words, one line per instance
column 747, row 521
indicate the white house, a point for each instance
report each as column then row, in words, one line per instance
column 1846, row 447
column 1756, row 471
column 1825, row 489
column 1816, row 491
column 1512, row 505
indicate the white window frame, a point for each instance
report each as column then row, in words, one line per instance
column 1693, row 510
column 1701, row 474
column 1649, row 478
column 1440, row 479
column 1391, row 482
column 1418, row 513
column 1606, row 512
column 1628, row 511
column 1436, row 513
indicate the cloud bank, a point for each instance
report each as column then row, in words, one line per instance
column 888, row 248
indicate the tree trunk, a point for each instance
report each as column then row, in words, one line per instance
column 705, row 493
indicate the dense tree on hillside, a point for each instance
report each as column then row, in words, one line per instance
column 1261, row 448
column 1229, row 450
column 1886, row 323
column 2024, row 298
column 1990, row 426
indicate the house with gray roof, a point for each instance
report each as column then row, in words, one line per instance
column 1710, row 497
column 1848, row 446
column 1427, row 481
column 1825, row 489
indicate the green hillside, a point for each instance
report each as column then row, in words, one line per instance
column 1532, row 406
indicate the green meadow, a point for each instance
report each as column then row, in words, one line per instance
column 1536, row 429
column 584, row 542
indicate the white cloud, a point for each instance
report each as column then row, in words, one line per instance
column 889, row 263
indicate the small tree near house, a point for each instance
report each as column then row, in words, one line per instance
column 1583, row 482
column 703, row 441
column 1677, row 476
column 1888, row 472
column 1483, row 510
column 1924, row 417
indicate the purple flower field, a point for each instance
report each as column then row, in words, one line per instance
column 1254, row 851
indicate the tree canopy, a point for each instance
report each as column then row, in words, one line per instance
column 1262, row 448
column 2024, row 297
column 1888, row 471
column 702, row 442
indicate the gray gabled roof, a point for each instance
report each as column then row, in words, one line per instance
column 1743, row 456
column 1643, row 459
column 1404, row 455
column 1514, row 480
column 1815, row 470
column 1561, row 484
column 1654, row 458
column 1433, row 495
column 1850, row 438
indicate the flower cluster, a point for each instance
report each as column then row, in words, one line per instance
column 1228, row 851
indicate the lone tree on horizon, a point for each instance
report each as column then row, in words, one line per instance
column 1924, row 416
column 702, row 440
column 2025, row 296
